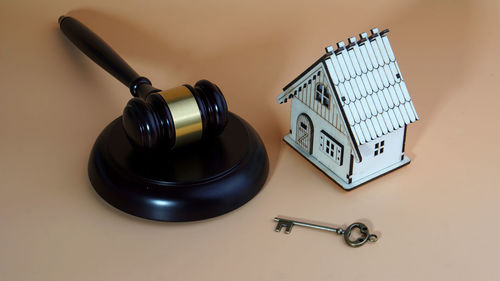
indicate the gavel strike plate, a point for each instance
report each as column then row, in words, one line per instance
column 195, row 182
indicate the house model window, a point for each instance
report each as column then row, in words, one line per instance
column 332, row 148
column 379, row 148
column 322, row 95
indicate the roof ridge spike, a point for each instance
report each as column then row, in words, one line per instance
column 352, row 43
column 374, row 32
column 384, row 32
column 362, row 38
column 340, row 47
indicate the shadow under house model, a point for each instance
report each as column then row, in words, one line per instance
column 350, row 110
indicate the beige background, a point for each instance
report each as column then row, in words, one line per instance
column 437, row 218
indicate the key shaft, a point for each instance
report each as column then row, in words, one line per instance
column 287, row 222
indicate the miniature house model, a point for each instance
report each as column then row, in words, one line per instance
column 350, row 110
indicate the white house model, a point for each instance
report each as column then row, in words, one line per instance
column 350, row 110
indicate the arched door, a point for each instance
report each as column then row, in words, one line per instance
column 305, row 132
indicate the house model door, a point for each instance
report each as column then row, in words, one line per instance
column 305, row 132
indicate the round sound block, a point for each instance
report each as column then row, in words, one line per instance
column 195, row 182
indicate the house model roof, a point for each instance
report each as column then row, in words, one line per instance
column 368, row 85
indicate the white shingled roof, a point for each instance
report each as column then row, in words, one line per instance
column 370, row 86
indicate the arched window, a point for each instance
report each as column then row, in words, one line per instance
column 323, row 95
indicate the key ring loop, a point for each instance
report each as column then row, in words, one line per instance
column 365, row 235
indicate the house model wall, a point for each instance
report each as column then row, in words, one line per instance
column 350, row 110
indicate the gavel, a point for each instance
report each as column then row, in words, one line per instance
column 155, row 119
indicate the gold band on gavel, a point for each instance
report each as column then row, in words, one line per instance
column 185, row 113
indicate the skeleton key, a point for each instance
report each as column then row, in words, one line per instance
column 365, row 234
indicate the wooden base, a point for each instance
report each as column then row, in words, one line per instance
column 195, row 182
column 346, row 186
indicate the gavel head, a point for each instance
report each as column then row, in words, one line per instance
column 175, row 117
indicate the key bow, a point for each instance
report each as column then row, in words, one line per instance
column 365, row 235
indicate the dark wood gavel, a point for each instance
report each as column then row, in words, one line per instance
column 155, row 119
